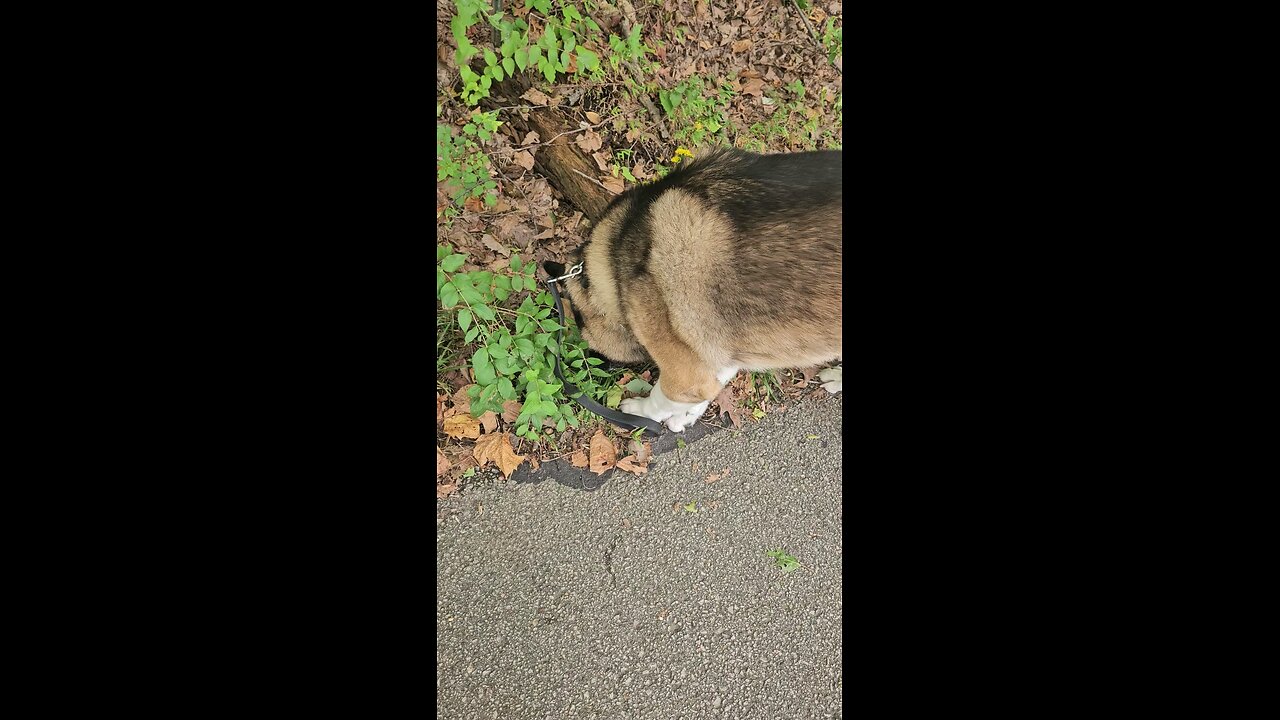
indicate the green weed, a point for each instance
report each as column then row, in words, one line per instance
column 786, row 563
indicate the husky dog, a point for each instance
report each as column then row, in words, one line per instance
column 731, row 262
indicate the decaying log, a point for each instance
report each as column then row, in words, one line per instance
column 558, row 159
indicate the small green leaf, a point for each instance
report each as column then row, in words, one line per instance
column 535, row 55
column 680, row 443
column 549, row 72
column 517, row 283
column 639, row 386
column 489, row 58
column 505, row 389
column 448, row 295
column 510, row 66
column 587, row 59
column 692, row 507
column 525, row 345
column 453, row 262
column 471, row 334
column 522, row 58
column 550, row 325
column 497, row 72
column 483, row 312
column 464, row 319
column 757, row 413
column 614, row 396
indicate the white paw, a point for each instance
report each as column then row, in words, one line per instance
column 833, row 379
column 658, row 406
column 679, row 421
column 642, row 406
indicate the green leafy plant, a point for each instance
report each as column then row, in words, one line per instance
column 695, row 112
column 833, row 40
column 619, row 165
column 786, row 563
column 515, row 343
column 460, row 159
column 515, row 51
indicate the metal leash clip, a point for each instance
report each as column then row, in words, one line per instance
column 573, row 271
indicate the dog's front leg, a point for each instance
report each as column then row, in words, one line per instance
column 678, row 414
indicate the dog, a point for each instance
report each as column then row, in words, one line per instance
column 730, row 262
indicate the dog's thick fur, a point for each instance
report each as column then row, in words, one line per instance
column 730, row 262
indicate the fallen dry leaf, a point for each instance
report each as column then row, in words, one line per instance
column 741, row 46
column 489, row 421
column 536, row 96
column 589, row 141
column 442, row 463
column 603, row 455
column 530, row 138
column 578, row 459
column 474, row 204
column 727, row 404
column 593, row 117
column 492, row 243
column 614, row 184
column 462, row 425
column 496, row 447
column 630, row 465
column 511, row 410
column 753, row 86
column 461, row 400
column 642, row 451
column 524, row 159
column 445, row 489
column 602, row 160
column 712, row 478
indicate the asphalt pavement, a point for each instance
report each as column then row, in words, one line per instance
column 652, row 596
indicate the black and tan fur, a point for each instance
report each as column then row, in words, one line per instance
column 730, row 262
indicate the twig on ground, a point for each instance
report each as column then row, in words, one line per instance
column 812, row 33
column 606, row 189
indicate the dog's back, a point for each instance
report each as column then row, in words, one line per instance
column 747, row 252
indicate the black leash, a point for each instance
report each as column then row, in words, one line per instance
column 616, row 417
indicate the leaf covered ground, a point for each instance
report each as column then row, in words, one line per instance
column 643, row 85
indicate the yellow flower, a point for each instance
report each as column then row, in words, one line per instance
column 679, row 152
column 697, row 125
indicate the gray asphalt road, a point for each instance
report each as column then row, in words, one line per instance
column 558, row 603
